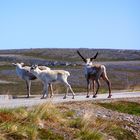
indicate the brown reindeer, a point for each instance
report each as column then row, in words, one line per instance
column 93, row 72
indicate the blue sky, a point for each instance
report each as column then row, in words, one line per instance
column 111, row 24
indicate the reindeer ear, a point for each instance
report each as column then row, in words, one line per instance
column 94, row 56
column 81, row 56
column 36, row 65
column 32, row 67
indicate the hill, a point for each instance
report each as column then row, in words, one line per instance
column 70, row 55
column 123, row 68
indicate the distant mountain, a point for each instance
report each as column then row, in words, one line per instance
column 67, row 55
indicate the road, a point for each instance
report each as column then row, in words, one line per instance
column 28, row 102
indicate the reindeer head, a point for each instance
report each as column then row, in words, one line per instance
column 88, row 61
column 33, row 67
column 18, row 64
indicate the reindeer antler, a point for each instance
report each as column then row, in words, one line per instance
column 81, row 56
column 94, row 56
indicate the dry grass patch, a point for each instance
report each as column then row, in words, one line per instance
column 44, row 122
column 67, row 121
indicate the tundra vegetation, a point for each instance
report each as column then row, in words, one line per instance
column 123, row 68
column 65, row 121
column 118, row 120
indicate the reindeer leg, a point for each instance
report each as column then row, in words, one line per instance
column 105, row 78
column 28, row 84
column 68, row 87
column 65, row 96
column 73, row 94
column 93, row 86
column 98, row 86
column 51, row 90
column 88, row 87
column 45, row 91
column 29, row 88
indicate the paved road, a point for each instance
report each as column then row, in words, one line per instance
column 18, row 102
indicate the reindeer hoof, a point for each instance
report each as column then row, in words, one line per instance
column 94, row 96
column 87, row 96
column 42, row 98
column 109, row 96
column 73, row 97
column 64, row 97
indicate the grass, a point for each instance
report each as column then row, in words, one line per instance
column 43, row 122
column 115, row 128
column 50, row 135
column 71, row 55
column 85, row 131
column 6, row 67
column 120, row 133
column 79, row 89
column 88, row 134
column 50, row 58
column 69, row 113
column 61, row 122
column 124, row 107
column 77, row 123
column 22, row 123
column 121, row 77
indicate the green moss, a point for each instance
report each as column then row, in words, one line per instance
column 124, row 107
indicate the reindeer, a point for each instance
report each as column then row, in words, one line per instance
column 24, row 73
column 94, row 73
column 49, row 76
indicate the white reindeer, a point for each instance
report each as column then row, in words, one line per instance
column 24, row 73
column 49, row 76
column 94, row 73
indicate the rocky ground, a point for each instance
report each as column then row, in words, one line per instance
column 92, row 109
